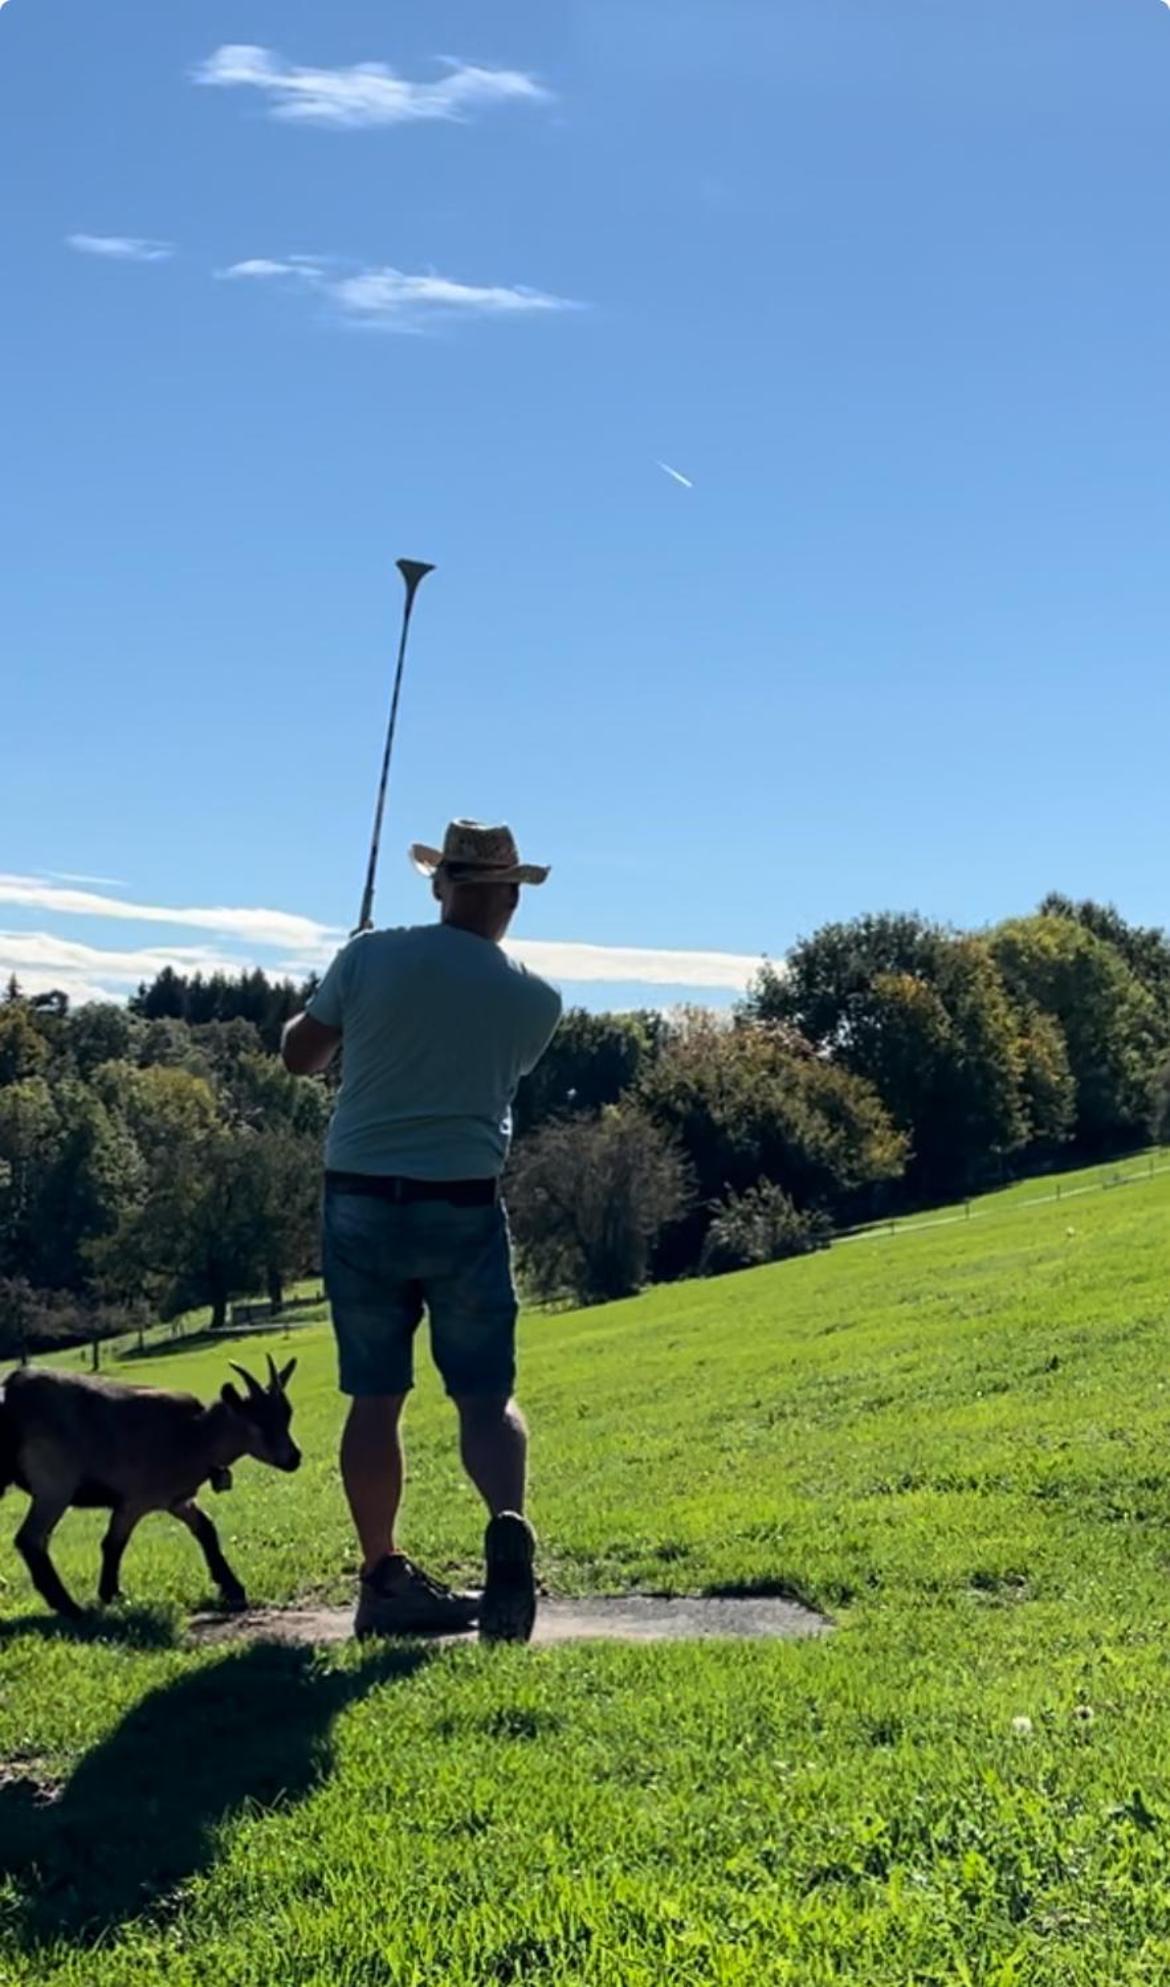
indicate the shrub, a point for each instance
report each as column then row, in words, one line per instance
column 589, row 1198
column 35, row 1321
column 761, row 1226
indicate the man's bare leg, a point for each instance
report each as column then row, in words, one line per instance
column 373, row 1469
column 493, row 1440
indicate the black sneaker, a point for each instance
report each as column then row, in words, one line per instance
column 507, row 1610
column 398, row 1598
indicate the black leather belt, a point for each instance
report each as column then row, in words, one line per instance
column 399, row 1191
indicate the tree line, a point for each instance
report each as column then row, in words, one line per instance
column 158, row 1156
column 886, row 1064
column 147, row 1167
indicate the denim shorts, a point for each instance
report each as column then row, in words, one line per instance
column 386, row 1263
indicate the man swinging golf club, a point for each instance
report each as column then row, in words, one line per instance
column 438, row 1025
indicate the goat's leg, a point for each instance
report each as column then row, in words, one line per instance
column 32, row 1543
column 114, row 1544
column 200, row 1526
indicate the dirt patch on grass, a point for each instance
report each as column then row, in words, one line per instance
column 620, row 1618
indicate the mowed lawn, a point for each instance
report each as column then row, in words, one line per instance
column 954, row 1441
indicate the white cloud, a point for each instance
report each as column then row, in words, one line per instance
column 386, row 294
column 122, row 248
column 369, row 93
column 389, row 297
column 621, row 965
column 41, row 959
column 259, row 266
column 259, row 927
column 82, row 876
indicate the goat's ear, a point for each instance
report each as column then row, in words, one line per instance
column 229, row 1397
column 285, row 1374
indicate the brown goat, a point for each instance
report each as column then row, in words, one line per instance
column 71, row 1440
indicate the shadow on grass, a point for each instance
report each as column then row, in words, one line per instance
column 763, row 1590
column 140, row 1814
column 130, row 1628
column 283, row 1328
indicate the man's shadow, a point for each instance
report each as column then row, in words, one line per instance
column 139, row 1815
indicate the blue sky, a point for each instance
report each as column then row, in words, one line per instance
column 888, row 283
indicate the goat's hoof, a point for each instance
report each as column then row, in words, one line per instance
column 111, row 1600
column 235, row 1603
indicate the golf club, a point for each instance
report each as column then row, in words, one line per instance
column 414, row 572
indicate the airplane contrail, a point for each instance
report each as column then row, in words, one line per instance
column 677, row 473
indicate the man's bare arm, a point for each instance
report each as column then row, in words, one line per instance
column 308, row 1046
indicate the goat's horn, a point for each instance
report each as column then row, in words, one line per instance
column 252, row 1384
column 273, row 1382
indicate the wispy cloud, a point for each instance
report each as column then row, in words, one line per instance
column 78, row 875
column 369, row 93
column 384, row 295
column 628, row 965
column 257, row 269
column 122, row 248
column 41, row 959
column 389, row 297
column 257, row 927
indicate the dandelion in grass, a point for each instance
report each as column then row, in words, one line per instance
column 1022, row 1726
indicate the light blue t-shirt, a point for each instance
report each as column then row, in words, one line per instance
column 438, row 1026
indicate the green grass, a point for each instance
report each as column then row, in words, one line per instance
column 954, row 1441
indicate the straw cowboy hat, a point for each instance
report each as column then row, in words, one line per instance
column 472, row 853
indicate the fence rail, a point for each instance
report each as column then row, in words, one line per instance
column 1132, row 1173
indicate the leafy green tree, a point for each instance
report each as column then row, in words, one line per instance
column 827, row 977
column 944, row 1055
column 288, row 1209
column 966, row 1072
column 23, row 1049
column 589, row 1198
column 97, row 1033
column 1144, row 948
column 168, row 1044
column 232, row 1179
column 1110, row 1022
column 592, row 1061
column 167, row 1108
column 257, row 1090
column 197, row 1236
column 753, row 1103
column 95, row 1172
column 760, row 1226
column 30, row 1140
column 1160, row 1105
column 162, row 999
column 219, row 1203
column 248, row 996
column 1047, row 1087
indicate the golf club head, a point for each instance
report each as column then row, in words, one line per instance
column 413, row 571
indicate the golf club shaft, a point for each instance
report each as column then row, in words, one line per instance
column 413, row 572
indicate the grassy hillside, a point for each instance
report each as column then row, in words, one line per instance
column 953, row 1440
